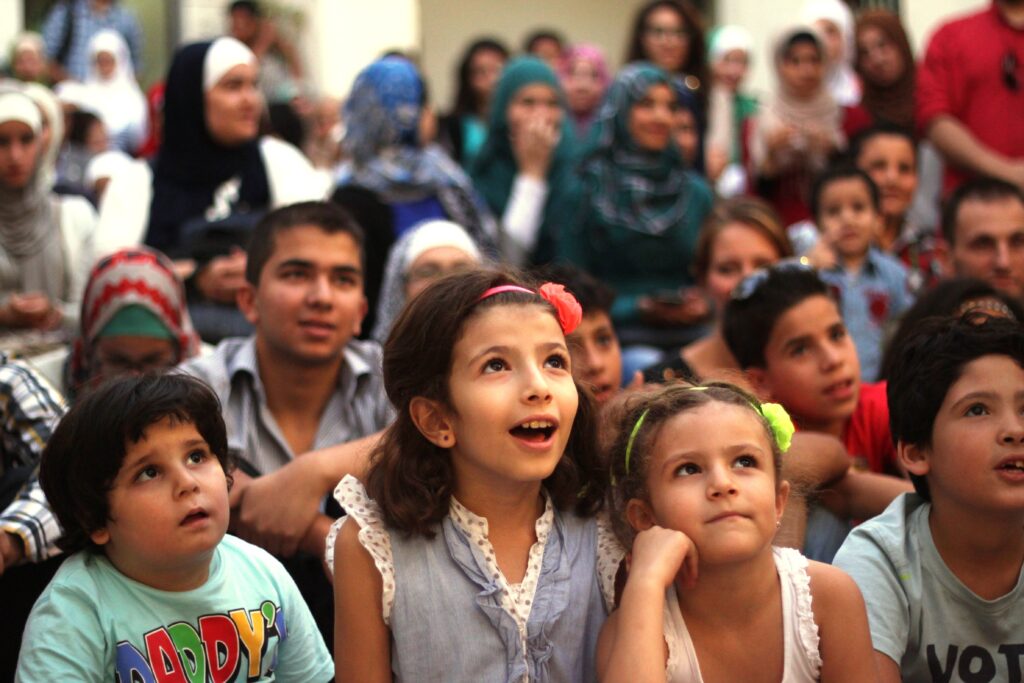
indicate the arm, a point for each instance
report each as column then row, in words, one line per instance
column 959, row 146
column 845, row 642
column 863, row 495
column 523, row 216
column 362, row 642
column 631, row 646
column 276, row 511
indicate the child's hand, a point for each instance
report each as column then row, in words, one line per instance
column 660, row 555
column 822, row 255
column 533, row 145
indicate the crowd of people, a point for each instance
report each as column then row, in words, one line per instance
column 597, row 375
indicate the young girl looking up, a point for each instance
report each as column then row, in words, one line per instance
column 696, row 492
column 472, row 553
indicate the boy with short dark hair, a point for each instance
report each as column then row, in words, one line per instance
column 136, row 473
column 941, row 569
column 872, row 285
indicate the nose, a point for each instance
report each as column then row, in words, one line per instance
column 593, row 361
column 831, row 356
column 535, row 386
column 185, row 481
column 1002, row 255
column 720, row 482
column 319, row 294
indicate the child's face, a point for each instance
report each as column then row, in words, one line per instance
column 168, row 508
column 738, row 250
column 811, row 366
column 847, row 219
column 890, row 161
column 597, row 358
column 513, row 400
column 711, row 476
column 801, row 70
column 976, row 459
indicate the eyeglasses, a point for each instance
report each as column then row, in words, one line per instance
column 663, row 33
column 1010, row 71
column 749, row 285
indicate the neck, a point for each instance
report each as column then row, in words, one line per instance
column 890, row 231
column 1012, row 11
column 854, row 262
column 984, row 551
column 505, row 505
column 292, row 387
column 727, row 593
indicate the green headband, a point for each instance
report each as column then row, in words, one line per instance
column 774, row 414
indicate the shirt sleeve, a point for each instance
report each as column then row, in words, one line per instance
column 935, row 81
column 881, row 585
column 64, row 639
column 302, row 655
column 30, row 518
column 523, row 216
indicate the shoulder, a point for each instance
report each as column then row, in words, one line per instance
column 248, row 562
column 364, row 355
column 832, row 588
column 884, row 541
column 216, row 366
column 277, row 150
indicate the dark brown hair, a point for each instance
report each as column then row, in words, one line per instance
column 752, row 212
column 410, row 478
column 660, row 406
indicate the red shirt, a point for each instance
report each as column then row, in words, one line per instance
column 866, row 436
column 962, row 75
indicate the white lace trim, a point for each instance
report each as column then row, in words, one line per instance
column 793, row 563
column 609, row 556
column 373, row 536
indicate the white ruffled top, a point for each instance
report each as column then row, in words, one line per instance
column 802, row 661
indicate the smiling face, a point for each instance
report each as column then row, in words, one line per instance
column 737, row 251
column 308, row 303
column 976, row 457
column 847, row 217
column 512, row 398
column 234, row 105
column 711, row 475
column 652, row 117
column 892, row 164
column 811, row 366
column 168, row 508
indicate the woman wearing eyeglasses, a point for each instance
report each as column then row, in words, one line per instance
column 670, row 34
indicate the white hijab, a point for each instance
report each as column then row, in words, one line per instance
column 117, row 100
column 840, row 78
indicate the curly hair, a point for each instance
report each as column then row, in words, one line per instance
column 410, row 478
column 656, row 408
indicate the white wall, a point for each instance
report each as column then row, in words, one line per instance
column 11, row 21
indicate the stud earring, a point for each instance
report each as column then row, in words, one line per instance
column 778, row 524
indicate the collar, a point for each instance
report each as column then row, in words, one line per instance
column 354, row 365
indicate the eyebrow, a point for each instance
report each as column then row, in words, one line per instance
column 989, row 395
column 148, row 455
column 733, row 450
column 309, row 265
column 802, row 339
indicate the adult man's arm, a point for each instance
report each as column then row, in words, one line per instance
column 961, row 148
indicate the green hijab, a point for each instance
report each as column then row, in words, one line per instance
column 629, row 187
column 494, row 169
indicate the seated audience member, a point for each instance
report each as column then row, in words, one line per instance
column 889, row 155
column 427, row 252
column 730, row 110
column 546, row 45
column 786, row 332
column 950, row 298
column 301, row 382
column 983, row 223
column 112, row 91
column 970, row 91
column 28, row 62
column 640, row 215
column 670, row 35
column 391, row 180
column 138, row 474
column 798, row 128
column 739, row 236
column 941, row 568
column 87, row 138
column 585, row 79
column 323, row 140
column 871, row 286
column 688, row 126
column 462, row 130
column 525, row 168
column 885, row 64
column 46, row 241
column 281, row 73
column 69, row 26
column 213, row 178
column 833, row 20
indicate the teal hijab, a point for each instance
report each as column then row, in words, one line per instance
column 629, row 187
column 494, row 169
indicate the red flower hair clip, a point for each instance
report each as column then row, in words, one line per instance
column 570, row 313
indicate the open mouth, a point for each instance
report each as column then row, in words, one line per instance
column 194, row 516
column 534, row 431
column 1012, row 466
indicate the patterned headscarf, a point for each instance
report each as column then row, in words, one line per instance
column 630, row 187
column 137, row 276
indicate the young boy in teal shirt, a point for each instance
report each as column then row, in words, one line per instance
column 155, row 591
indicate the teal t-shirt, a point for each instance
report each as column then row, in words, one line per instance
column 248, row 622
column 921, row 615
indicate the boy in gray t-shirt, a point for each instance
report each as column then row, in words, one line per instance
column 940, row 569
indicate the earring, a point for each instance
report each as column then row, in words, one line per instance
column 444, row 438
column 778, row 524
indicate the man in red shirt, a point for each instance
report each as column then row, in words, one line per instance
column 970, row 94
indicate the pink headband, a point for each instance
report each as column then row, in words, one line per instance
column 570, row 313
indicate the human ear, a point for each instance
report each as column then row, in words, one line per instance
column 781, row 498
column 431, row 418
column 357, row 326
column 100, row 536
column 759, row 379
column 913, row 457
column 245, row 298
column 639, row 514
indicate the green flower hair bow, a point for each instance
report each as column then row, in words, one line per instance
column 780, row 423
